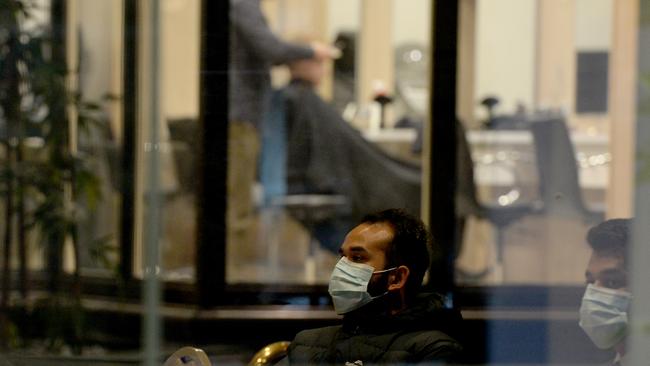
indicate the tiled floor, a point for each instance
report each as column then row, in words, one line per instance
column 537, row 250
column 279, row 255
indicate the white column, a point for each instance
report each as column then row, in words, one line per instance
column 622, row 99
column 466, row 61
column 375, row 54
column 556, row 56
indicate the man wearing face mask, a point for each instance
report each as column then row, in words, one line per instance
column 376, row 287
column 606, row 302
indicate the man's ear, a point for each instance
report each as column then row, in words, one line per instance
column 397, row 278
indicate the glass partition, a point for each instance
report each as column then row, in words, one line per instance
column 310, row 138
column 178, row 147
column 538, row 129
column 545, row 156
column 551, row 185
column 97, row 53
column 180, row 26
column 63, row 157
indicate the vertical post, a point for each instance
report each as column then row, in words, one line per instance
column 622, row 99
column 151, row 295
column 20, row 207
column 376, row 48
column 72, row 86
column 466, row 61
column 10, row 105
column 639, row 343
column 442, row 141
column 213, row 119
column 58, row 23
column 556, row 55
column 6, row 252
column 129, row 113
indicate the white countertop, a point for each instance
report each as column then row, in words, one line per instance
column 503, row 137
column 498, row 142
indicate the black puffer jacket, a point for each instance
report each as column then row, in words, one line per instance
column 419, row 334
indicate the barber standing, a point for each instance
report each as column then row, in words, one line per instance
column 254, row 49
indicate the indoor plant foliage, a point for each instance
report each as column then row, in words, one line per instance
column 42, row 174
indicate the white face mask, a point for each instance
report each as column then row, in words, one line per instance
column 349, row 285
column 603, row 315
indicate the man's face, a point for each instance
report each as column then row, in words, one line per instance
column 600, row 316
column 607, row 271
column 367, row 244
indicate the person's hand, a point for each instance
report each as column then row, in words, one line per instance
column 324, row 51
column 309, row 70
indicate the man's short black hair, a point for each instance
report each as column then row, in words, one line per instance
column 611, row 237
column 409, row 246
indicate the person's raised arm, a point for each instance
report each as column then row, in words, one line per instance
column 249, row 22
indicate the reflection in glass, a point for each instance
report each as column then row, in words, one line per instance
column 325, row 144
column 178, row 131
column 100, row 71
column 535, row 152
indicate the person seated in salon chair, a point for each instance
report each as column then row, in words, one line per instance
column 376, row 287
column 326, row 155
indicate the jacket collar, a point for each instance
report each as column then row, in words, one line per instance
column 427, row 312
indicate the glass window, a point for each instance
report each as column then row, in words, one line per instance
column 97, row 54
column 310, row 139
column 335, row 112
column 543, row 91
column 88, row 134
column 178, row 146
column 538, row 128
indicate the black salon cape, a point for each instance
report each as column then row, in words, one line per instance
column 325, row 155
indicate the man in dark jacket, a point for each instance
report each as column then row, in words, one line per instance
column 375, row 286
column 607, row 299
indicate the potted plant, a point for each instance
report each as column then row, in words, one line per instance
column 42, row 175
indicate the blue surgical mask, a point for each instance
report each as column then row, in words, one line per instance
column 349, row 285
column 603, row 315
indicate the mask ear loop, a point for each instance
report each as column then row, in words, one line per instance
column 385, row 270
column 380, row 272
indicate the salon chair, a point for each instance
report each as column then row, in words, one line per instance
column 501, row 216
column 270, row 354
column 188, row 356
column 559, row 185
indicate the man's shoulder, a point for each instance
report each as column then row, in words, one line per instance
column 433, row 337
column 431, row 345
column 310, row 343
column 316, row 336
